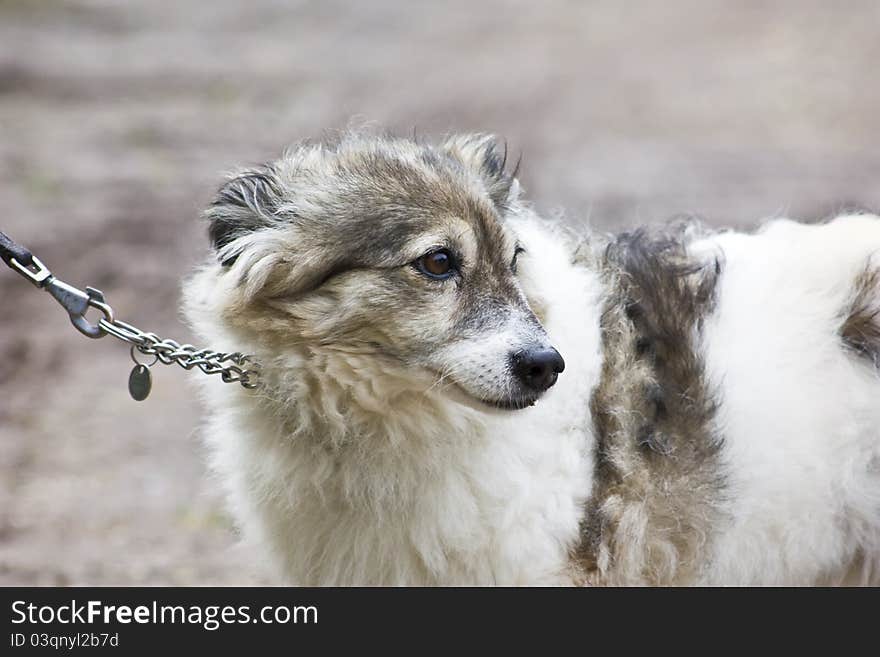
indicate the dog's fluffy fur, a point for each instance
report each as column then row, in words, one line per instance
column 718, row 419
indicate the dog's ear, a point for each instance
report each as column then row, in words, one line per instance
column 487, row 157
column 256, row 229
column 247, row 202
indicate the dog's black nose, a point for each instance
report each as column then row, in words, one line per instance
column 538, row 369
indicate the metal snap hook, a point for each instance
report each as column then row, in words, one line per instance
column 94, row 299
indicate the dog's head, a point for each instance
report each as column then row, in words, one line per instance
column 390, row 248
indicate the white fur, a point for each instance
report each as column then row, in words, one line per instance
column 800, row 416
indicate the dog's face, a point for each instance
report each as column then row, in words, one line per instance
column 390, row 248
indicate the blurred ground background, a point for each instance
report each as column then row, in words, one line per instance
column 117, row 120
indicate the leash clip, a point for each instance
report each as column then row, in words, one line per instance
column 72, row 299
column 77, row 303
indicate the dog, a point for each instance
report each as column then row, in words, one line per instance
column 455, row 391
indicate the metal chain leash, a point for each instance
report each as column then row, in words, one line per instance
column 232, row 367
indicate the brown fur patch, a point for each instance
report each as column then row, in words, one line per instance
column 658, row 478
column 861, row 325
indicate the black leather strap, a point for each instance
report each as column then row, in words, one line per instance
column 10, row 250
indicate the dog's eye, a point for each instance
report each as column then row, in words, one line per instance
column 437, row 264
column 516, row 253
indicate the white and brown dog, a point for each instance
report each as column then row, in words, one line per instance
column 716, row 418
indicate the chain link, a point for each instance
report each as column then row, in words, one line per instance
column 232, row 367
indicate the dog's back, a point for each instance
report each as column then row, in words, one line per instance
column 737, row 419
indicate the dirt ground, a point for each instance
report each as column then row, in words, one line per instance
column 118, row 119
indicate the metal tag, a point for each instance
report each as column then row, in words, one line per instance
column 140, row 381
